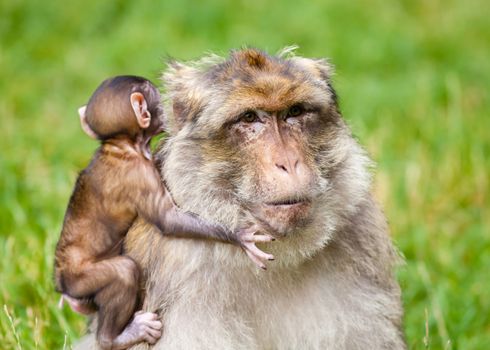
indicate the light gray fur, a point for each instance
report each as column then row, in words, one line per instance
column 330, row 287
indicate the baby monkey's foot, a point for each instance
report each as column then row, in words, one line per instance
column 81, row 306
column 247, row 238
column 145, row 326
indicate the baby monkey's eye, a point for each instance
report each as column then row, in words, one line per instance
column 249, row 117
column 295, row 111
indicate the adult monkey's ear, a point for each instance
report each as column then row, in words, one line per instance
column 321, row 69
column 185, row 94
column 83, row 122
column 140, row 108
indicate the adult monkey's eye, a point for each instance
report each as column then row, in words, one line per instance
column 249, row 117
column 295, row 111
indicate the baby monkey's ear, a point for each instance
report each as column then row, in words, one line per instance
column 140, row 108
column 83, row 121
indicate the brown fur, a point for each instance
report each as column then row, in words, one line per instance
column 120, row 184
column 103, row 206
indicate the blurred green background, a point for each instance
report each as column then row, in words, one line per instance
column 413, row 77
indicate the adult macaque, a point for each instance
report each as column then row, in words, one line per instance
column 120, row 184
column 265, row 133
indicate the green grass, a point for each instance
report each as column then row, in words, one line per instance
column 414, row 82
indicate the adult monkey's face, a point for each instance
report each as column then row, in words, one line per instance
column 254, row 131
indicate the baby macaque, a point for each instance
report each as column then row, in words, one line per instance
column 119, row 184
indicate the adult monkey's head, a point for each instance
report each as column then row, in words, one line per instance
column 262, row 133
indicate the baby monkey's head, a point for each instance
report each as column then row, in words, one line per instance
column 125, row 105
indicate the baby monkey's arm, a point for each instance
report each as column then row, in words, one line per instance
column 157, row 207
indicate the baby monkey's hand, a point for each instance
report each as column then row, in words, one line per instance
column 247, row 238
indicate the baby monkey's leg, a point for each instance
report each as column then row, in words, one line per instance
column 117, row 303
column 114, row 283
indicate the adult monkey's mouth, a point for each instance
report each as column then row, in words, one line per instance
column 288, row 209
column 288, row 202
column 285, row 214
